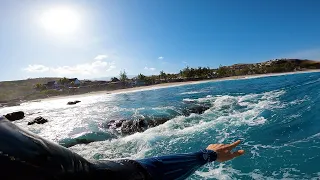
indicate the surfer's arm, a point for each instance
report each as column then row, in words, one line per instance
column 180, row 166
column 177, row 166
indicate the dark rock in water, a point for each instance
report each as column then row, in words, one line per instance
column 157, row 122
column 15, row 116
column 73, row 102
column 199, row 109
column 38, row 120
column 130, row 127
column 127, row 127
column 119, row 123
column 114, row 124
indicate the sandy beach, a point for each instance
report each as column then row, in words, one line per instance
column 165, row 85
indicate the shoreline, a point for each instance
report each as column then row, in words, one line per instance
column 166, row 85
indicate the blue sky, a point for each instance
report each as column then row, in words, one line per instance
column 143, row 36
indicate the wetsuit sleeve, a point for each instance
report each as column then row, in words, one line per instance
column 178, row 166
column 24, row 155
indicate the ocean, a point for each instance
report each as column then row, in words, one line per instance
column 276, row 117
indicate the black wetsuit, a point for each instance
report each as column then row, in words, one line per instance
column 24, row 155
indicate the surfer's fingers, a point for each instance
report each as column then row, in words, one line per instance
column 217, row 145
column 237, row 153
column 233, row 145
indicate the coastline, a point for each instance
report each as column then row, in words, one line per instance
column 166, row 85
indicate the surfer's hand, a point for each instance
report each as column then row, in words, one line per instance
column 224, row 151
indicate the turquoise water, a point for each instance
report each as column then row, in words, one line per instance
column 276, row 117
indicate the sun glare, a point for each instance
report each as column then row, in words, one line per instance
column 60, row 20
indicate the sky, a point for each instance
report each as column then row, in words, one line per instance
column 99, row 38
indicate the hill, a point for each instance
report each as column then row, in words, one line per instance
column 17, row 90
column 13, row 92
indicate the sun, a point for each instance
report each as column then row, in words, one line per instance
column 60, row 20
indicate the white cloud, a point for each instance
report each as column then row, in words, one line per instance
column 184, row 62
column 36, row 68
column 111, row 67
column 101, row 57
column 97, row 67
column 150, row 69
column 160, row 57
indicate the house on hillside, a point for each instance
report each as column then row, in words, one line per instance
column 74, row 81
column 238, row 66
column 52, row 85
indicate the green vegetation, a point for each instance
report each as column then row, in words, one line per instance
column 141, row 77
column 63, row 81
column 17, row 90
column 123, row 76
column 201, row 73
column 40, row 87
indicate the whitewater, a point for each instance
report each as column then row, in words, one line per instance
column 276, row 117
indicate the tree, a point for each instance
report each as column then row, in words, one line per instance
column 151, row 79
column 40, row 87
column 123, row 76
column 141, row 77
column 163, row 75
column 63, row 81
column 114, row 79
column 222, row 71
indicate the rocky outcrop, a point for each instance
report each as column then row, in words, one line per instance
column 127, row 127
column 196, row 109
column 114, row 124
column 133, row 126
column 157, row 122
column 38, row 120
column 73, row 102
column 15, row 116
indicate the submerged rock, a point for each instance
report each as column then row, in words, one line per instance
column 197, row 109
column 133, row 126
column 15, row 116
column 114, row 124
column 73, row 102
column 127, row 127
column 157, row 122
column 38, row 120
